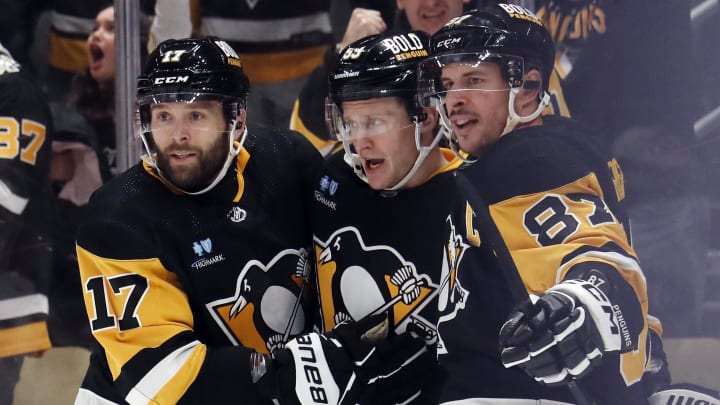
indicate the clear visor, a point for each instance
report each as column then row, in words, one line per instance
column 173, row 113
column 477, row 71
column 365, row 124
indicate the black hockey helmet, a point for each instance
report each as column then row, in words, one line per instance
column 509, row 32
column 383, row 65
column 206, row 67
column 507, row 35
column 189, row 70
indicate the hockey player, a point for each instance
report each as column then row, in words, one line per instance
column 379, row 196
column 193, row 262
column 556, row 197
column 25, row 249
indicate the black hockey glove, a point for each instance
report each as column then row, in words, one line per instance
column 561, row 334
column 350, row 365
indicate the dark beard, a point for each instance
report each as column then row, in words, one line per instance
column 200, row 177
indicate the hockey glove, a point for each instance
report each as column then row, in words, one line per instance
column 349, row 365
column 561, row 334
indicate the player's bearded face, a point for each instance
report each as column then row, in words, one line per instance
column 198, row 173
column 191, row 142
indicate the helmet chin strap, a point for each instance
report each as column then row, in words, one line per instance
column 423, row 152
column 354, row 161
column 233, row 150
column 513, row 118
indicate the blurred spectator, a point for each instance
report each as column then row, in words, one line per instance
column 25, row 248
column 279, row 43
column 71, row 21
column 308, row 112
column 83, row 159
column 279, row 64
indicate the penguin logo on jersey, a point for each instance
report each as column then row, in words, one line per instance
column 355, row 280
column 268, row 307
column 452, row 296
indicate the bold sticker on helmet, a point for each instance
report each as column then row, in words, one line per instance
column 520, row 12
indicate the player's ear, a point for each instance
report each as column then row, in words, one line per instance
column 431, row 117
column 240, row 121
column 528, row 97
column 430, row 121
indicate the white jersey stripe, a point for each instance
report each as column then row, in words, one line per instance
column 276, row 30
column 85, row 397
column 11, row 201
column 148, row 387
column 624, row 261
column 23, row 306
column 71, row 24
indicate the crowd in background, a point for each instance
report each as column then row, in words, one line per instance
column 641, row 73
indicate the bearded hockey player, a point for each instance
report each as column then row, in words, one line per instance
column 194, row 261
column 556, row 197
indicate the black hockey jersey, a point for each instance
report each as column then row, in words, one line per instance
column 557, row 200
column 25, row 195
column 180, row 289
column 380, row 251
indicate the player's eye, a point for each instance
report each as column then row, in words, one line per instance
column 375, row 123
column 475, row 80
column 162, row 116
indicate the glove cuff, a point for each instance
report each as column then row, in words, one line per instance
column 313, row 381
column 598, row 307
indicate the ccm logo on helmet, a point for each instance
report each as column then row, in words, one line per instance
column 449, row 43
column 171, row 79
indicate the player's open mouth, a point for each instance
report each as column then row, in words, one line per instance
column 182, row 155
column 371, row 164
column 462, row 123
